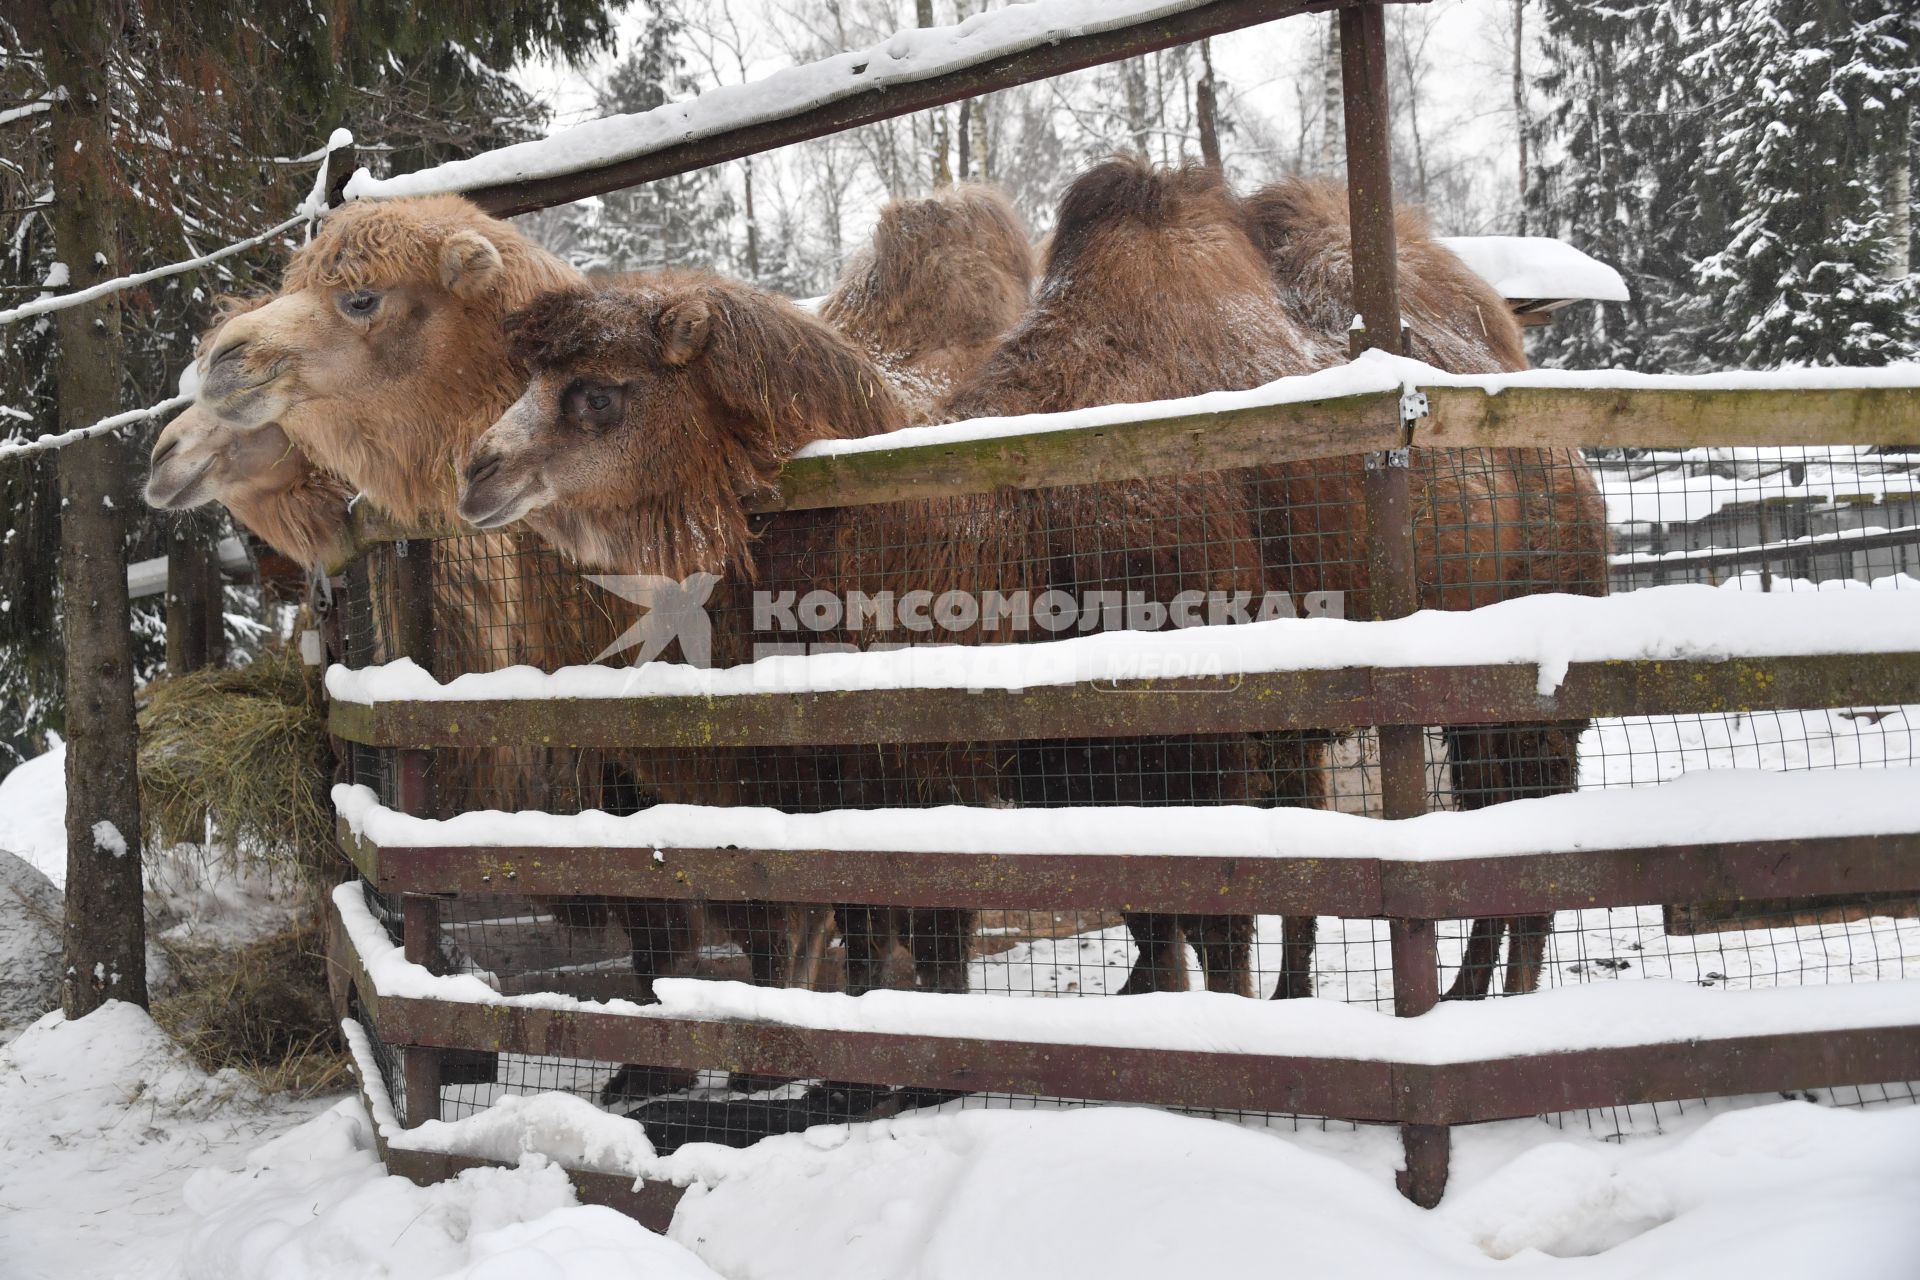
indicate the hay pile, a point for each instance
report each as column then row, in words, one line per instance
column 246, row 749
column 235, row 760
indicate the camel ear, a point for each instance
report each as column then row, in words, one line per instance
column 469, row 264
column 683, row 329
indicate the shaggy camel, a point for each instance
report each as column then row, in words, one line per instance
column 648, row 422
column 1152, row 290
column 1490, row 524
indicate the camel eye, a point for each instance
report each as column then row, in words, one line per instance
column 596, row 405
column 360, row 304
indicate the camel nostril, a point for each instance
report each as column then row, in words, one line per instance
column 232, row 351
column 483, row 470
column 162, row 452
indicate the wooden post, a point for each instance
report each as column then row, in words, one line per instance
column 420, row 1069
column 1392, row 586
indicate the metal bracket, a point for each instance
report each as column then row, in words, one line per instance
column 1387, row 459
column 1413, row 404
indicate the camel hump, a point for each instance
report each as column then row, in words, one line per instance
column 1458, row 322
column 970, row 220
column 1127, row 191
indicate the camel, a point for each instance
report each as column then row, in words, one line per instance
column 1492, row 524
column 659, row 405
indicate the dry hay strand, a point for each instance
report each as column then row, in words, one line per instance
column 244, row 748
column 260, row 1008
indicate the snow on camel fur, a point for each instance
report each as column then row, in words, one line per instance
column 259, row 476
column 1491, row 523
column 946, row 275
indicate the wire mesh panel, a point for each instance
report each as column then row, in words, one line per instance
column 1192, row 550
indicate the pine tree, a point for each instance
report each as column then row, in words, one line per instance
column 1618, row 172
column 682, row 221
column 1800, row 275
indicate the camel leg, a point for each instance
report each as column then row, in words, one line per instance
column 660, row 934
column 1161, row 962
column 1298, row 765
column 1225, row 947
column 939, row 939
column 810, row 946
column 1491, row 766
column 869, row 935
column 1297, row 936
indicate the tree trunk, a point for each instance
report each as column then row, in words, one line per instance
column 194, row 597
column 1900, row 192
column 105, row 933
column 937, row 118
column 1333, row 150
column 753, row 225
column 1520, row 102
column 1205, row 109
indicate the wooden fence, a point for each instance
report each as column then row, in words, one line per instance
column 1423, row 1097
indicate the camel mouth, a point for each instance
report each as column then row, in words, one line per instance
column 476, row 510
column 165, row 493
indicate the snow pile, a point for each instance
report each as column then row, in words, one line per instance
column 1121, row 1192
column 100, row 1121
column 31, row 946
column 315, row 1204
column 1533, row 267
column 33, row 812
column 1676, row 623
column 1719, row 805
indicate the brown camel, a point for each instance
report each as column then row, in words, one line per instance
column 1153, row 289
column 1492, row 524
column 928, row 300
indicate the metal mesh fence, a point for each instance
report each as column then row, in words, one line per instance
column 1219, row 548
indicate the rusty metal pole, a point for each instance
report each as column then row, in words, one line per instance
column 420, row 1069
column 1392, row 588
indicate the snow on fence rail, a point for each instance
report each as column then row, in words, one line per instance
column 913, row 70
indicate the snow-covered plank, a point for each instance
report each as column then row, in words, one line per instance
column 1709, row 836
column 1548, row 633
column 913, row 70
column 1707, row 806
column 1538, row 269
column 1587, row 1045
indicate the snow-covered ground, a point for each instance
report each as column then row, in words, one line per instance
column 122, row 1160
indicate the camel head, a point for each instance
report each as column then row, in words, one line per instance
column 658, row 405
column 382, row 355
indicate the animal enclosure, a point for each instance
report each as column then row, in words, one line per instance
column 549, row 907
column 1205, row 757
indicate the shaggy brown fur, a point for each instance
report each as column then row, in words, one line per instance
column 1493, row 524
column 945, row 277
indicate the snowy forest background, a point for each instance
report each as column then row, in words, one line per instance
column 1747, row 167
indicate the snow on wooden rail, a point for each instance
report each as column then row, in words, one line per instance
column 1731, row 805
column 1545, row 632
column 1592, row 1016
column 913, row 70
